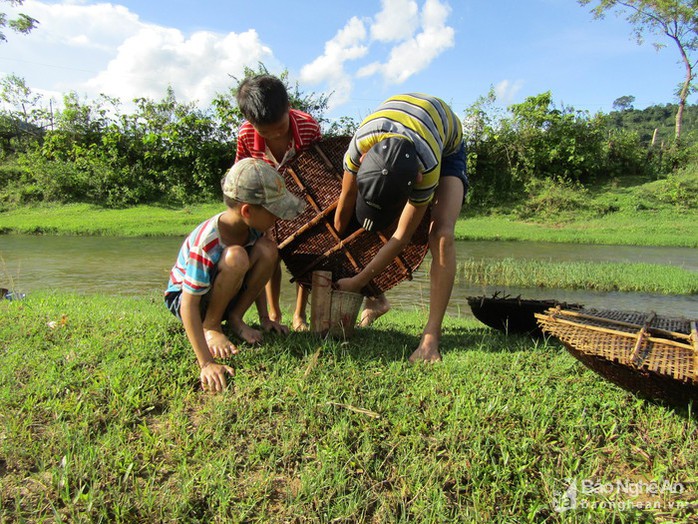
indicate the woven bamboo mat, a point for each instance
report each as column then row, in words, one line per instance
column 310, row 242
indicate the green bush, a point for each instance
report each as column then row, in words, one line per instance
column 16, row 186
column 547, row 198
column 540, row 151
column 680, row 189
column 625, row 155
column 58, row 180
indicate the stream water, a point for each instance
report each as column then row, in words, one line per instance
column 132, row 266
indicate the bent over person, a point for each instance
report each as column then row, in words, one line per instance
column 406, row 155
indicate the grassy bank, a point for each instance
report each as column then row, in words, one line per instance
column 85, row 219
column 666, row 226
column 102, row 421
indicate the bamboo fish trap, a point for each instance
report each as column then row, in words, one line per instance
column 652, row 356
column 513, row 314
column 310, row 242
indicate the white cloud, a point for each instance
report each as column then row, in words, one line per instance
column 101, row 26
column 94, row 48
column 105, row 48
column 418, row 38
column 329, row 67
column 416, row 53
column 397, row 21
column 506, row 90
column 197, row 67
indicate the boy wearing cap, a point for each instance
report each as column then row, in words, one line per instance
column 224, row 264
column 407, row 154
column 274, row 132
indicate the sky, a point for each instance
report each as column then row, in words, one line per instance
column 358, row 52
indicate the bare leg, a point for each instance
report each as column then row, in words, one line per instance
column 273, row 291
column 447, row 204
column 299, row 317
column 263, row 260
column 374, row 307
column 231, row 273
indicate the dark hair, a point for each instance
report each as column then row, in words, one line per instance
column 229, row 202
column 262, row 99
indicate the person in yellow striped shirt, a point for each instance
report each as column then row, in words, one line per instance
column 406, row 155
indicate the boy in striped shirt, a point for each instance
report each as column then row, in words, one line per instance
column 225, row 262
column 406, row 155
column 275, row 133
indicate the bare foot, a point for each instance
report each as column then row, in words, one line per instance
column 299, row 323
column 268, row 325
column 374, row 308
column 219, row 345
column 245, row 332
column 427, row 351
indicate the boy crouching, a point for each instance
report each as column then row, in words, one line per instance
column 224, row 264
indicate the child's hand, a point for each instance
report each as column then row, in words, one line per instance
column 213, row 377
column 269, row 325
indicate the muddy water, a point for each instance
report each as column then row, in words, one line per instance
column 131, row 266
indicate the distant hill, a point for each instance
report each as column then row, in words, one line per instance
column 660, row 117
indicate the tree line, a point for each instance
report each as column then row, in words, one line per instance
column 656, row 123
column 172, row 153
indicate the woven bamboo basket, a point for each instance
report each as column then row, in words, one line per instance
column 310, row 243
column 653, row 356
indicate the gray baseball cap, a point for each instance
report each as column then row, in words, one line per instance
column 253, row 181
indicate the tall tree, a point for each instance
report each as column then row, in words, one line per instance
column 623, row 103
column 676, row 20
column 22, row 24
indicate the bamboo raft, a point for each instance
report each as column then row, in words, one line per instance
column 652, row 356
column 310, row 242
column 513, row 314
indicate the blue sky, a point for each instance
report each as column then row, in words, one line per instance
column 361, row 51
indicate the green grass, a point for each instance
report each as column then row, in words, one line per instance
column 598, row 276
column 102, row 420
column 86, row 219
column 647, row 228
column 625, row 211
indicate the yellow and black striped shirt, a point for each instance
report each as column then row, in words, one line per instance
column 427, row 121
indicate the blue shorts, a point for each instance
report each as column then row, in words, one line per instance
column 455, row 165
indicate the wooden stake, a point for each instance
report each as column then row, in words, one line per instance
column 320, row 302
column 637, row 357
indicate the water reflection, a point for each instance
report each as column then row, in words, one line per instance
column 132, row 266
